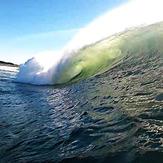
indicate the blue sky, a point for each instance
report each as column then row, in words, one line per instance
column 28, row 27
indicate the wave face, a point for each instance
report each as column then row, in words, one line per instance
column 101, row 45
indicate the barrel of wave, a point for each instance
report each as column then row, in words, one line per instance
column 107, row 53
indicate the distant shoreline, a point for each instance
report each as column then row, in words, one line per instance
column 2, row 63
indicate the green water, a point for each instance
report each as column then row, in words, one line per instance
column 107, row 53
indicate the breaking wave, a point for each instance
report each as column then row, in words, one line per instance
column 99, row 46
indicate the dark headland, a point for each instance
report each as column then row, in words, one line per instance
column 2, row 63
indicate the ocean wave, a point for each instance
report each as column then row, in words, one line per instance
column 100, row 45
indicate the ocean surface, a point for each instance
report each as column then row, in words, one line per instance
column 115, row 117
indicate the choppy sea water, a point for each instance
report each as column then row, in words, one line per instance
column 113, row 117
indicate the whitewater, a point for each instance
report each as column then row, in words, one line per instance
column 84, row 56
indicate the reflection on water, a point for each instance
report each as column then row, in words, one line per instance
column 113, row 117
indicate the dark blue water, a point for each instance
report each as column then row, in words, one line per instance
column 113, row 117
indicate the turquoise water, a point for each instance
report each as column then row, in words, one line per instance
column 113, row 117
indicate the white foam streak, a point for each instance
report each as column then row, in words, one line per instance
column 9, row 68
